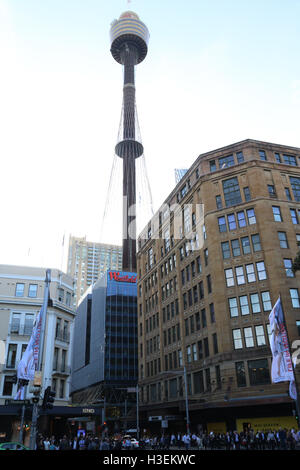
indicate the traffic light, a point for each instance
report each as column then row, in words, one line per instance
column 23, row 382
column 48, row 398
column 36, row 394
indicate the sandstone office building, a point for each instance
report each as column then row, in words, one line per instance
column 206, row 305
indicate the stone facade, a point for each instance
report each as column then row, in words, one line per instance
column 209, row 275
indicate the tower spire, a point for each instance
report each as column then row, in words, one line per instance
column 129, row 46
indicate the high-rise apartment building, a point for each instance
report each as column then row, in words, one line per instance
column 211, row 264
column 88, row 261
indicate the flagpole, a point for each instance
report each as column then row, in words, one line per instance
column 294, row 373
column 21, row 433
column 35, row 411
column 44, row 318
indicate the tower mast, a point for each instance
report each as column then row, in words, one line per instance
column 129, row 46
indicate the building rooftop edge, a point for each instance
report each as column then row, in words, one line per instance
column 35, row 268
column 254, row 141
column 210, row 152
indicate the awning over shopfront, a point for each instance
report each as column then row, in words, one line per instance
column 73, row 411
column 67, row 411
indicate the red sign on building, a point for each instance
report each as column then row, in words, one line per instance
column 116, row 276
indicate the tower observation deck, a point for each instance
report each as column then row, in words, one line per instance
column 129, row 46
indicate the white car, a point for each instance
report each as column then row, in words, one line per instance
column 134, row 443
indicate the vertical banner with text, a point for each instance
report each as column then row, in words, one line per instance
column 282, row 366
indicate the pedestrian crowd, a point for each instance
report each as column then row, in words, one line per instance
column 89, row 442
column 281, row 439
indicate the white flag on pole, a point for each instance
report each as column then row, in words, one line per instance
column 282, row 367
column 29, row 361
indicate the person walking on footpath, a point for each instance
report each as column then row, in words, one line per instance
column 75, row 443
column 173, row 440
column 128, row 443
column 64, row 444
column 81, row 442
column 282, row 438
column 236, row 440
column 53, row 445
column 187, row 441
column 199, row 442
column 46, row 443
column 104, row 445
column 227, row 441
column 271, row 440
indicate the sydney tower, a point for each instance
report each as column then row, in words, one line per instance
column 129, row 45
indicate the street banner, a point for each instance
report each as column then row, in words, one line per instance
column 29, row 361
column 282, row 366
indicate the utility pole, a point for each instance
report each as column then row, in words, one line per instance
column 22, row 418
column 35, row 411
column 137, row 414
column 186, row 401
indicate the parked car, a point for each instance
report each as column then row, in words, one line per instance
column 13, row 446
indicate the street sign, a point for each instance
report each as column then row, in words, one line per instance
column 164, row 423
column 155, row 418
column 17, row 402
column 37, row 381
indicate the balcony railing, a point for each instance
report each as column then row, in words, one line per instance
column 10, row 366
column 62, row 335
column 22, row 330
column 60, row 368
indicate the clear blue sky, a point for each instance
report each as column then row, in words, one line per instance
column 217, row 71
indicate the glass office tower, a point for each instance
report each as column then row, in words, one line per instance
column 121, row 360
column 105, row 352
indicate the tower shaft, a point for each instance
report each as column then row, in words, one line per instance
column 129, row 151
column 129, row 47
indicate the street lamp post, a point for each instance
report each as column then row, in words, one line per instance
column 186, row 401
column 136, row 391
column 35, row 411
column 137, row 414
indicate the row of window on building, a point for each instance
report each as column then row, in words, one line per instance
column 238, row 220
column 295, row 214
column 242, row 337
column 22, row 324
column 239, row 275
column 58, row 386
column 248, row 373
column 241, row 246
column 32, row 292
column 232, row 193
column 200, row 349
column 231, row 160
column 15, row 352
column 254, row 271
